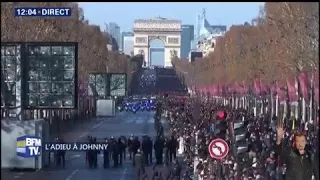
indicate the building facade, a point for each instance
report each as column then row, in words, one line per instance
column 187, row 36
column 206, row 36
column 158, row 40
column 114, row 30
column 127, row 42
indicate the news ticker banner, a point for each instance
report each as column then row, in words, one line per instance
column 32, row 146
column 45, row 12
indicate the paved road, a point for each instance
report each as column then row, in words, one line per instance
column 125, row 123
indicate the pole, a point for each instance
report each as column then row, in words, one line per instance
column 219, row 173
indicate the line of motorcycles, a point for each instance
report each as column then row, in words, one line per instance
column 135, row 106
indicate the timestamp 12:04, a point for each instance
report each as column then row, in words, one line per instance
column 25, row 11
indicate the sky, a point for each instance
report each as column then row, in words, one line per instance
column 124, row 13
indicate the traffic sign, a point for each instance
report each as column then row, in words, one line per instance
column 218, row 148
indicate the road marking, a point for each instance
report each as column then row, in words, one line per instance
column 75, row 156
column 97, row 125
column 123, row 176
column 72, row 174
column 94, row 127
column 129, row 120
column 16, row 177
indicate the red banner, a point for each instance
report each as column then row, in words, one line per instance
column 291, row 89
column 281, row 94
column 257, row 87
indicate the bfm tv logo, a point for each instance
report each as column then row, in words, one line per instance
column 28, row 146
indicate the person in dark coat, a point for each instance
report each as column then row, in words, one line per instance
column 61, row 155
column 158, row 148
column 106, row 160
column 115, row 153
column 166, row 150
column 121, row 147
column 135, row 146
column 90, row 156
column 129, row 145
column 173, row 146
column 144, row 147
column 139, row 165
column 300, row 164
column 149, row 149
column 124, row 148
column 96, row 153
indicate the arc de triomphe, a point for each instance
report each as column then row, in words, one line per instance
column 168, row 31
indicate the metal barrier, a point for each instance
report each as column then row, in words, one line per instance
column 60, row 120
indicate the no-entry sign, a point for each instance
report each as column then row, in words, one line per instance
column 218, row 148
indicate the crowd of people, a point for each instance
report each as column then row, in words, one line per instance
column 263, row 158
column 140, row 152
column 276, row 149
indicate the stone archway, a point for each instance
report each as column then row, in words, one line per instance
column 158, row 38
column 156, row 52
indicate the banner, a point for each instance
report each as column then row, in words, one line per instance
column 291, row 89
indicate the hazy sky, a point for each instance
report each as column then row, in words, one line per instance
column 125, row 13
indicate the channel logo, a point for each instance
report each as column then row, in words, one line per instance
column 28, row 146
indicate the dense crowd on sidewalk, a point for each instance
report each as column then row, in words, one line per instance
column 261, row 160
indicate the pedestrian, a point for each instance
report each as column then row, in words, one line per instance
column 135, row 146
column 115, row 153
column 106, row 160
column 139, row 165
column 173, row 146
column 96, row 153
column 158, row 148
column 166, row 151
column 61, row 155
column 129, row 144
column 121, row 149
column 144, row 147
column 124, row 144
column 149, row 149
column 300, row 164
column 90, row 156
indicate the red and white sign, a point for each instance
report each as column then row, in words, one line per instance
column 218, row 148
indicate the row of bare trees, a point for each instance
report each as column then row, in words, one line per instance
column 94, row 57
column 278, row 52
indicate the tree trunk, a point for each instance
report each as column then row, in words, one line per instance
column 271, row 105
column 311, row 100
column 277, row 106
column 298, row 105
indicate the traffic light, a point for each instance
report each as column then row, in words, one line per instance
column 221, row 125
column 240, row 136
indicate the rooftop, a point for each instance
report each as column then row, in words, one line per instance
column 157, row 19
